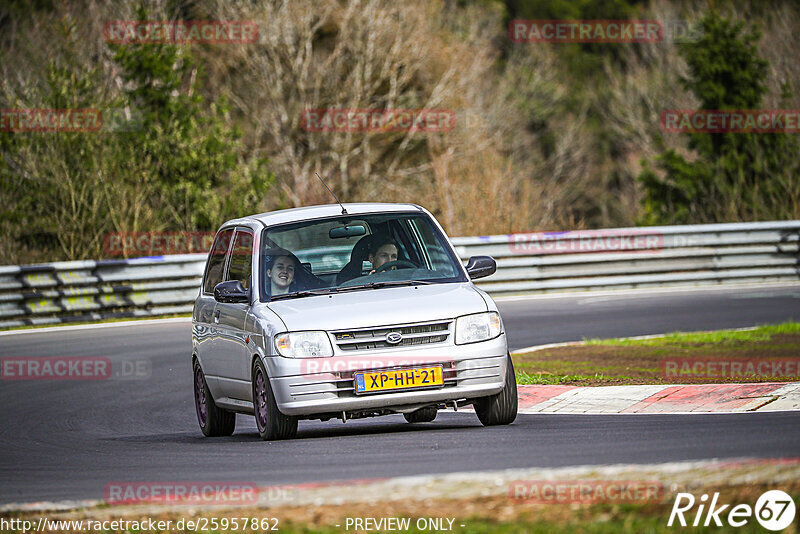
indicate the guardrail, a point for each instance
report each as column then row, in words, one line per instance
column 527, row 263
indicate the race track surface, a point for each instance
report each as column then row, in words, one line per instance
column 67, row 440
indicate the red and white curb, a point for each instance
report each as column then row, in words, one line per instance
column 704, row 398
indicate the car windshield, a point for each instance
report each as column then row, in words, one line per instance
column 350, row 253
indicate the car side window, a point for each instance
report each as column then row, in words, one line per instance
column 216, row 260
column 241, row 263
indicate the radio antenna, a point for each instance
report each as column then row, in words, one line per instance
column 344, row 211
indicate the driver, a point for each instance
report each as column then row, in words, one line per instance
column 382, row 251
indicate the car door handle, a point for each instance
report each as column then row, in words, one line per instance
column 216, row 316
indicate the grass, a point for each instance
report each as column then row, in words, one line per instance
column 642, row 361
column 757, row 334
column 526, row 378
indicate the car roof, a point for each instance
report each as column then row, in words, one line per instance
column 271, row 218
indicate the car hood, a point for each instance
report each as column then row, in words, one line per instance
column 379, row 307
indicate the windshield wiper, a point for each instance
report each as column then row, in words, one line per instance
column 329, row 290
column 387, row 283
column 304, row 293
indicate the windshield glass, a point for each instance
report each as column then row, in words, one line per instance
column 353, row 253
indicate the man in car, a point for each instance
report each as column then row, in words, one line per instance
column 281, row 268
column 382, row 251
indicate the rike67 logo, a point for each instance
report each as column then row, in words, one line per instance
column 774, row 510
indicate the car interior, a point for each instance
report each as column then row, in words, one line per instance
column 324, row 246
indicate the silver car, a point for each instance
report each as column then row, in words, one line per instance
column 344, row 311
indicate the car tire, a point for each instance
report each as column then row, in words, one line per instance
column 500, row 409
column 213, row 420
column 423, row 415
column 271, row 423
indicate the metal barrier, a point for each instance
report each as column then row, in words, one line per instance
column 527, row 263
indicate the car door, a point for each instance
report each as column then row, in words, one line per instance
column 205, row 309
column 233, row 352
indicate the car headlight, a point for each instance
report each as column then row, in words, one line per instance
column 477, row 327
column 304, row 345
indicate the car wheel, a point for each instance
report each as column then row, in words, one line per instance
column 271, row 423
column 423, row 415
column 214, row 421
column 500, row 409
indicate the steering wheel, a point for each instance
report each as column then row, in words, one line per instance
column 395, row 264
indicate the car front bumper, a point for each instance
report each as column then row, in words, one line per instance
column 325, row 385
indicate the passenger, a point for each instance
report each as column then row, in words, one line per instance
column 281, row 267
column 382, row 251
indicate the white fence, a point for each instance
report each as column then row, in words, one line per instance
column 526, row 263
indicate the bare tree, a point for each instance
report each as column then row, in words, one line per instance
column 358, row 55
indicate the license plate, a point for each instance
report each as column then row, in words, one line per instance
column 378, row 381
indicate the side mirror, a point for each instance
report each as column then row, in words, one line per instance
column 481, row 266
column 231, row 291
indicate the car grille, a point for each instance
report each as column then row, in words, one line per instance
column 375, row 338
column 343, row 386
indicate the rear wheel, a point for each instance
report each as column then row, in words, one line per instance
column 423, row 415
column 214, row 421
column 500, row 409
column 271, row 423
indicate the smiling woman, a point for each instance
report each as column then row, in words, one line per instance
column 280, row 268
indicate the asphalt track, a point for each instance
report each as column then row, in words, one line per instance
column 67, row 440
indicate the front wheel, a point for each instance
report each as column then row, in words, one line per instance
column 271, row 423
column 500, row 409
column 214, row 421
